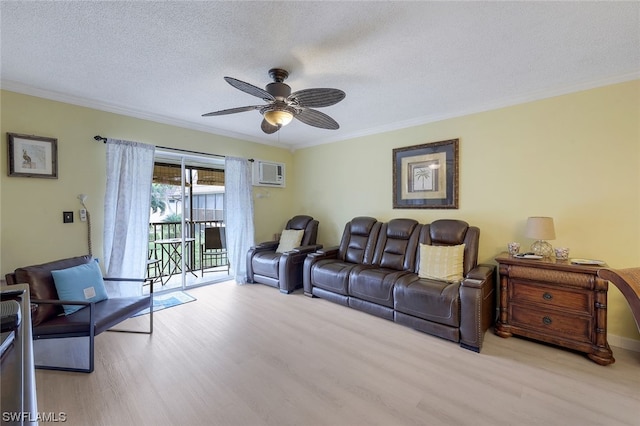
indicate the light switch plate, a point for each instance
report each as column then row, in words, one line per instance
column 67, row 217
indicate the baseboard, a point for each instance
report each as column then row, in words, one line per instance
column 624, row 342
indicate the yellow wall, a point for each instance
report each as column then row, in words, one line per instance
column 31, row 209
column 574, row 157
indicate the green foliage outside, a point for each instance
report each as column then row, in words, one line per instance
column 159, row 198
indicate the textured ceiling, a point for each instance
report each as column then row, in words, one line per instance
column 400, row 63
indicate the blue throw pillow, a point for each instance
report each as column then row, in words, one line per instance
column 81, row 283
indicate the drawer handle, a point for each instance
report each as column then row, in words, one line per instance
column 547, row 320
column 547, row 296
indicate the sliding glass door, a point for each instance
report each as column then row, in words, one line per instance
column 187, row 200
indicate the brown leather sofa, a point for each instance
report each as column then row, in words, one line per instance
column 283, row 270
column 375, row 270
column 49, row 321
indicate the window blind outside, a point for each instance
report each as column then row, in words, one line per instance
column 210, row 177
column 170, row 175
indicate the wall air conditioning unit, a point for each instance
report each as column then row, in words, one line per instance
column 268, row 173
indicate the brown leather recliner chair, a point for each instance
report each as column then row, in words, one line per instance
column 326, row 272
column 371, row 288
column 458, row 311
column 283, row 270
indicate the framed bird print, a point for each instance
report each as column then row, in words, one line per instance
column 32, row 156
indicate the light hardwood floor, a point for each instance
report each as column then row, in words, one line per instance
column 248, row 355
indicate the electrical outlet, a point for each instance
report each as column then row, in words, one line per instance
column 67, row 217
column 83, row 215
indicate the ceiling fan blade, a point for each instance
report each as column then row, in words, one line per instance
column 317, row 119
column 317, row 98
column 232, row 110
column 250, row 89
column 268, row 128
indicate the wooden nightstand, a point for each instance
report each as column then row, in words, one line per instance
column 556, row 302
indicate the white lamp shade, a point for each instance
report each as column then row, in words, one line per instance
column 540, row 228
column 278, row 117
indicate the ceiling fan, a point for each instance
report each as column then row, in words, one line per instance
column 283, row 106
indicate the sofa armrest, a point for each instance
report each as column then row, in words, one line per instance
column 326, row 252
column 59, row 302
column 262, row 247
column 11, row 279
column 127, row 280
column 266, row 245
column 478, row 276
column 311, row 259
column 307, row 249
column 291, row 267
column 91, row 322
column 477, row 301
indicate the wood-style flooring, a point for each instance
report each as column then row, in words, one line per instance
column 249, row 355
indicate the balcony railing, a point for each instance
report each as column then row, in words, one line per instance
column 168, row 230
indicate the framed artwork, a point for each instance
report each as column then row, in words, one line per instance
column 426, row 176
column 32, row 156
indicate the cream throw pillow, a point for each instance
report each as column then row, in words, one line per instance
column 290, row 239
column 441, row 262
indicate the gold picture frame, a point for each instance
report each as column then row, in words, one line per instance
column 426, row 176
column 32, row 156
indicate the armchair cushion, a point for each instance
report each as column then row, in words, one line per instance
column 441, row 262
column 290, row 239
column 432, row 300
column 79, row 283
column 105, row 315
column 266, row 263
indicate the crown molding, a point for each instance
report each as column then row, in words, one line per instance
column 24, row 89
column 489, row 106
column 501, row 103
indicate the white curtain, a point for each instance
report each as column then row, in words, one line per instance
column 126, row 212
column 238, row 214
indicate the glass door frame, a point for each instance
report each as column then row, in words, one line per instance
column 186, row 161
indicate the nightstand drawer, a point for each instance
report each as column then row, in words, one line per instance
column 543, row 295
column 552, row 323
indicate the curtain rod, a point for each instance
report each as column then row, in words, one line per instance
column 104, row 140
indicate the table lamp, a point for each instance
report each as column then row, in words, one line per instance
column 541, row 229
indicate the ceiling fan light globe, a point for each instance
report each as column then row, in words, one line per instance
column 278, row 118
